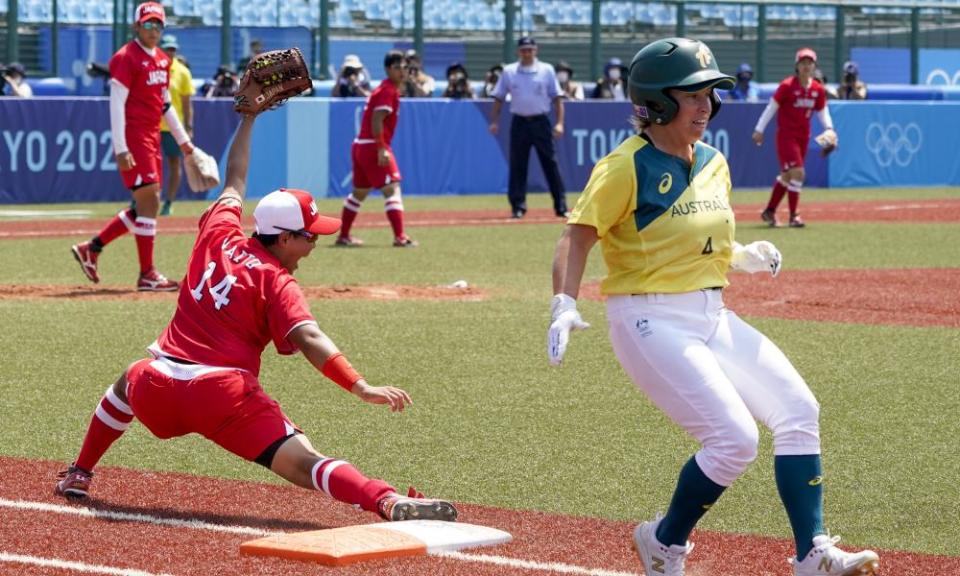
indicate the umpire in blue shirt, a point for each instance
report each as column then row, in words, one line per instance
column 532, row 86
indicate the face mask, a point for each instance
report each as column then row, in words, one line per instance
column 562, row 77
column 614, row 74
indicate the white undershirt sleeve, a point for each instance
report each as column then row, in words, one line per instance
column 825, row 119
column 173, row 121
column 118, row 120
column 767, row 116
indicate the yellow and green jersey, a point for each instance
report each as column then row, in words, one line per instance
column 664, row 226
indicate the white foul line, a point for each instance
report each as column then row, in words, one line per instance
column 249, row 530
column 75, row 566
column 530, row 565
column 131, row 517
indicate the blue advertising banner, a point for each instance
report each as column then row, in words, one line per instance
column 61, row 149
column 940, row 67
column 896, row 144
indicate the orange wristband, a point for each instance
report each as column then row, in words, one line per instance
column 338, row 369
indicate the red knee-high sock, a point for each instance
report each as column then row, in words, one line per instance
column 117, row 226
column 351, row 207
column 340, row 480
column 394, row 209
column 793, row 195
column 110, row 420
column 145, row 230
column 776, row 195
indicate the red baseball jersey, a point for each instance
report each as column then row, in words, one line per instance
column 146, row 75
column 797, row 105
column 384, row 97
column 235, row 299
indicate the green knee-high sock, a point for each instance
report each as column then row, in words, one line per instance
column 800, row 483
column 694, row 495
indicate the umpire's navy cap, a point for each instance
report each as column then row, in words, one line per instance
column 526, row 41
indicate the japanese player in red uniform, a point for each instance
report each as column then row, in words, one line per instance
column 139, row 77
column 238, row 296
column 374, row 164
column 796, row 99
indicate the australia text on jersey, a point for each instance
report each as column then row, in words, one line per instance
column 695, row 206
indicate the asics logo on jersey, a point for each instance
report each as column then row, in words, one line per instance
column 816, row 481
column 666, row 182
column 157, row 77
column 894, row 143
column 704, row 56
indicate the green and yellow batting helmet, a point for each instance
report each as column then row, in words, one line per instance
column 679, row 63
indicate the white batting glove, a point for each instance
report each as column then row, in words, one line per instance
column 565, row 317
column 760, row 256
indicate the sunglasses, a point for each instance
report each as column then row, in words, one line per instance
column 308, row 236
column 152, row 25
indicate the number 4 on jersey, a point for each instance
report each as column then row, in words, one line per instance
column 708, row 247
column 219, row 291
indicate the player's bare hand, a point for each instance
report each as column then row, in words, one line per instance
column 758, row 138
column 395, row 397
column 125, row 161
column 494, row 128
column 558, row 131
column 383, row 157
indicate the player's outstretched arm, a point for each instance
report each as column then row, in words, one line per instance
column 569, row 262
column 238, row 160
column 320, row 350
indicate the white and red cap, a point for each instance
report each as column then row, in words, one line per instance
column 150, row 11
column 291, row 210
column 805, row 53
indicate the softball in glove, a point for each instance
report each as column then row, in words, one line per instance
column 270, row 79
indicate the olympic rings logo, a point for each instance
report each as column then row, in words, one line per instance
column 894, row 143
column 944, row 77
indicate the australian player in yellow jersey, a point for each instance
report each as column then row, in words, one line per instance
column 660, row 207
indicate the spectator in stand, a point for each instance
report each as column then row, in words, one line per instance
column 852, row 88
column 458, row 83
column 419, row 84
column 613, row 85
column 746, row 89
column 15, row 81
column 223, row 84
column 490, row 80
column 181, row 90
column 256, row 47
column 571, row 90
column 353, row 81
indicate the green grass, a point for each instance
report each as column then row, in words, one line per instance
column 492, row 422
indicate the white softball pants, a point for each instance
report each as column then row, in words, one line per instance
column 714, row 375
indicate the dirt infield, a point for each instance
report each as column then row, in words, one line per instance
column 892, row 297
column 943, row 210
column 366, row 292
column 38, row 524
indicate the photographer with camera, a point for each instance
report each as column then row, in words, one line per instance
column 353, row 80
column 419, row 84
column 490, row 80
column 223, row 85
column 458, row 83
column 15, row 81
column 851, row 88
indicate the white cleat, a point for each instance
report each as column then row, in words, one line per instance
column 658, row 559
column 825, row 559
